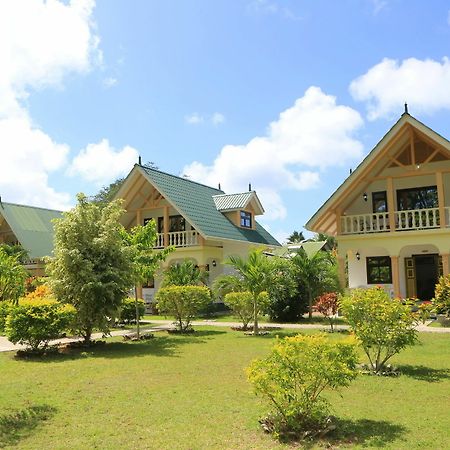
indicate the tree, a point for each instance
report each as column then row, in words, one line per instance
column 241, row 303
column 184, row 302
column 331, row 243
column 328, row 305
column 293, row 377
column 144, row 260
column 296, row 237
column 317, row 273
column 382, row 325
column 185, row 273
column 12, row 277
column 253, row 274
column 92, row 268
column 15, row 250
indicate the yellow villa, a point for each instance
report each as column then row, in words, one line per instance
column 203, row 223
column 391, row 216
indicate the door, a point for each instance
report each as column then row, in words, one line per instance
column 426, row 275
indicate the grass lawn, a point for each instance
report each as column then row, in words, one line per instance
column 190, row 392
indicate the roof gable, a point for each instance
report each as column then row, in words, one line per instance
column 379, row 155
column 232, row 202
column 32, row 227
column 196, row 203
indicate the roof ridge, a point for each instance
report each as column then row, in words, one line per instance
column 30, row 206
column 180, row 178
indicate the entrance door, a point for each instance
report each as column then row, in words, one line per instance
column 426, row 275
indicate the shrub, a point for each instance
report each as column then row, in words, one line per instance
column 183, row 302
column 383, row 326
column 127, row 313
column 5, row 308
column 241, row 304
column 36, row 322
column 294, row 375
column 41, row 291
column 328, row 305
column 442, row 296
column 424, row 311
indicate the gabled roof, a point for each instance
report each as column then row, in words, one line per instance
column 375, row 155
column 195, row 202
column 231, row 202
column 32, row 227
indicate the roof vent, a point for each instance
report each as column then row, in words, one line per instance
column 249, row 187
column 140, row 160
column 406, row 108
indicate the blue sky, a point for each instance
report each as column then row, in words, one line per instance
column 287, row 95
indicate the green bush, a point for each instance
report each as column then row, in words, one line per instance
column 5, row 308
column 442, row 296
column 241, row 304
column 36, row 322
column 183, row 302
column 294, row 375
column 383, row 326
column 127, row 313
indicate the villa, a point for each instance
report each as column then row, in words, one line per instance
column 203, row 223
column 391, row 216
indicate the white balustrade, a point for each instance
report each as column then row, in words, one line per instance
column 178, row 239
column 417, row 219
column 365, row 223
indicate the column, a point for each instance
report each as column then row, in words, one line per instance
column 341, row 272
column 166, row 226
column 391, row 203
column 395, row 276
column 445, row 263
column 441, row 199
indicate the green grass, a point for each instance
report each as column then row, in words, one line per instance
column 190, row 392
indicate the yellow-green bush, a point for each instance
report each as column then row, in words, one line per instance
column 127, row 312
column 442, row 296
column 36, row 322
column 183, row 302
column 242, row 304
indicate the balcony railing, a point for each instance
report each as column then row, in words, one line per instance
column 416, row 219
column 178, row 239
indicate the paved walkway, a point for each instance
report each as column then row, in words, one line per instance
column 160, row 325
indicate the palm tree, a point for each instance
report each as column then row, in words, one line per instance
column 296, row 237
column 317, row 273
column 184, row 274
column 253, row 274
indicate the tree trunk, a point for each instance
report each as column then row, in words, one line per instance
column 255, row 316
column 137, row 312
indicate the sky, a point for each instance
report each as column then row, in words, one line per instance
column 287, row 95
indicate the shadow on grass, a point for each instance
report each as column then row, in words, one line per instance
column 423, row 373
column 19, row 424
column 161, row 345
column 376, row 433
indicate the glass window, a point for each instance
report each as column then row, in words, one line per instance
column 417, row 198
column 379, row 270
column 379, row 202
column 246, row 219
column 176, row 223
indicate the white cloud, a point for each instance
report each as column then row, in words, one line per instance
column 217, row 118
column 312, row 135
column 101, row 163
column 40, row 42
column 109, row 82
column 194, row 119
column 268, row 7
column 378, row 5
column 423, row 84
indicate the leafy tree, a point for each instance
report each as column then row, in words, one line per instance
column 15, row 250
column 144, row 260
column 254, row 274
column 12, row 277
column 330, row 240
column 92, row 268
column 293, row 377
column 328, row 305
column 296, row 237
column 383, row 326
column 183, row 302
column 317, row 273
column 186, row 273
column 241, row 303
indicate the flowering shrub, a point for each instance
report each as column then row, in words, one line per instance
column 328, row 305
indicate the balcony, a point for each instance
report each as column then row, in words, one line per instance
column 416, row 219
column 178, row 239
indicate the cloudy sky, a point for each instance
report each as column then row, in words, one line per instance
column 285, row 94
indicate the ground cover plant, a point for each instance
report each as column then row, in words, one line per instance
column 190, row 392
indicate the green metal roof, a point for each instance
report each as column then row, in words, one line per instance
column 230, row 202
column 195, row 202
column 32, row 227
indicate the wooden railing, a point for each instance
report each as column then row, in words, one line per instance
column 415, row 219
column 178, row 239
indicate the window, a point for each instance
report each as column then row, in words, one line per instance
column 379, row 202
column 417, row 198
column 379, row 270
column 246, row 219
column 176, row 223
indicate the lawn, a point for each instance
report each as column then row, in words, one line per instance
column 190, row 392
